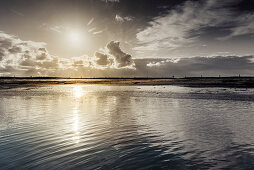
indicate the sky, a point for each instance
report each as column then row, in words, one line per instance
column 93, row 38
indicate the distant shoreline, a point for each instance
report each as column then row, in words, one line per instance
column 131, row 78
column 228, row 82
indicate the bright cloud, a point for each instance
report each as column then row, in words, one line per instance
column 27, row 58
column 32, row 58
column 184, row 25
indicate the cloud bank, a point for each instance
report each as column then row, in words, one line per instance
column 25, row 58
column 186, row 24
column 197, row 66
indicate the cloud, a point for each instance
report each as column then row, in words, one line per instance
column 58, row 29
column 25, row 58
column 17, row 12
column 1, row 56
column 118, row 18
column 14, row 48
column 121, row 59
column 244, row 25
column 113, row 57
column 188, row 22
column 92, row 29
column 90, row 22
column 55, row 28
column 197, row 66
column 28, row 58
column 102, row 59
column 163, row 62
column 110, row 1
column 97, row 32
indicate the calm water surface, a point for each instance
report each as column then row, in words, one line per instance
column 126, row 127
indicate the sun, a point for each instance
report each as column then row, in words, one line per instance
column 75, row 36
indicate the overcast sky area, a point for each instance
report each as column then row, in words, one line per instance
column 92, row 38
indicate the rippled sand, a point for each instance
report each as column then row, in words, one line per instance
column 126, row 127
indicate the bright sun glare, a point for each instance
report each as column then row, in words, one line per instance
column 75, row 36
column 78, row 92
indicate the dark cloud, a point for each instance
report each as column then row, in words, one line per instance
column 27, row 60
column 9, row 70
column 1, row 55
column 191, row 23
column 121, row 59
column 42, row 49
column 50, row 64
column 102, row 59
column 197, row 66
column 15, row 49
column 5, row 43
column 78, row 63
column 41, row 56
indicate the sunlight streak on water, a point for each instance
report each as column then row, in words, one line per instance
column 76, row 133
column 78, row 91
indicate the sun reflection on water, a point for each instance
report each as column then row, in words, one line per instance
column 75, row 127
column 78, row 91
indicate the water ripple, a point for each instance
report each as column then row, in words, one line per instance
column 111, row 127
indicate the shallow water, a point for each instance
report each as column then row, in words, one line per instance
column 126, row 127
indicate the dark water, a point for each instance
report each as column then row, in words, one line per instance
column 126, row 127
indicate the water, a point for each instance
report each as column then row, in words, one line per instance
column 126, row 127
